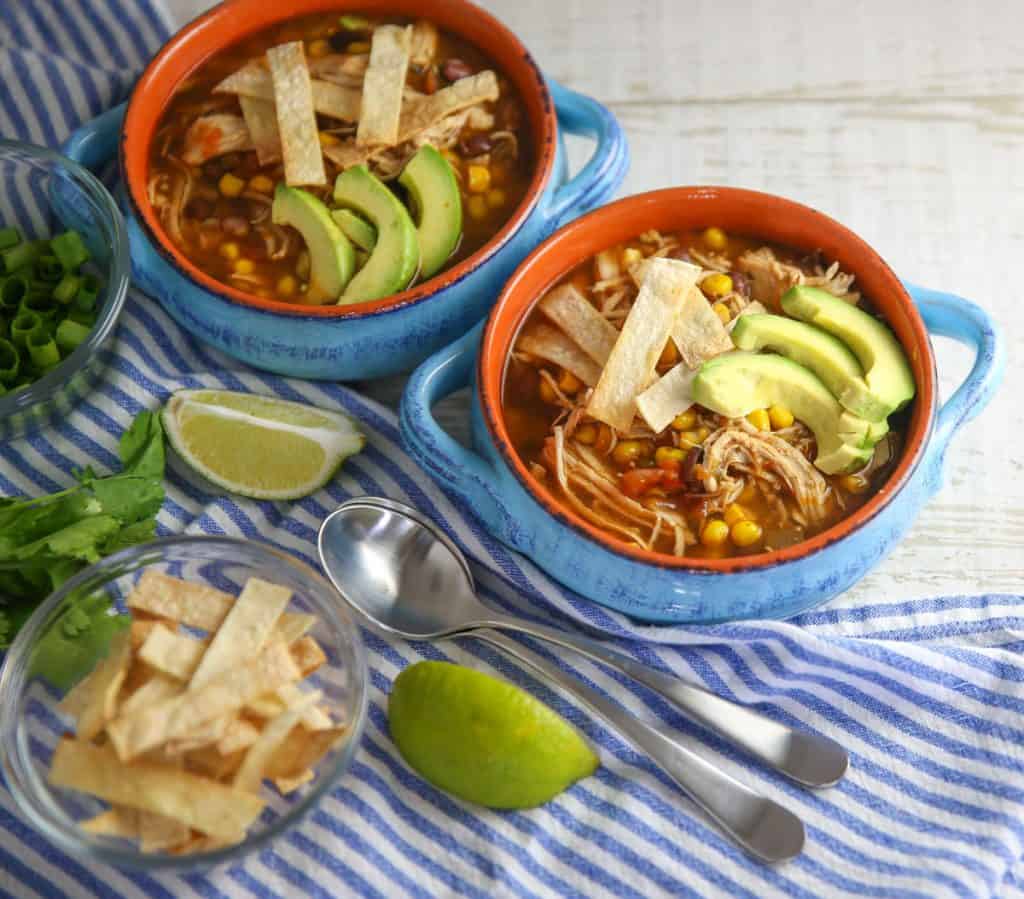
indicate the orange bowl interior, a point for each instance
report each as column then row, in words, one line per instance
column 740, row 212
column 236, row 19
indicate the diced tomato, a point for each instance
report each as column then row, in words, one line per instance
column 669, row 465
column 671, row 481
column 639, row 480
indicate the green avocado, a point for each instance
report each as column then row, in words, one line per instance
column 437, row 204
column 356, row 229
column 886, row 369
column 735, row 384
column 396, row 255
column 332, row 258
column 825, row 355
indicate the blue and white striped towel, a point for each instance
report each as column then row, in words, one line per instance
column 928, row 696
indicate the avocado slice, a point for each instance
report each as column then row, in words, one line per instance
column 824, row 354
column 331, row 257
column 437, row 205
column 735, row 384
column 396, row 255
column 356, row 229
column 886, row 368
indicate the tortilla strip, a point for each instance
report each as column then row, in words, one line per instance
column 244, row 630
column 206, row 734
column 383, row 84
column 105, row 683
column 699, row 333
column 261, row 121
column 307, row 655
column 158, row 832
column 78, row 697
column 333, row 100
column 345, row 69
column 551, row 344
column 418, row 117
column 292, row 625
column 302, row 749
column 240, row 735
column 140, row 631
column 286, row 785
column 199, row 802
column 183, row 601
column 175, row 655
column 116, row 821
column 214, row 135
column 250, row 775
column 630, row 367
column 667, row 397
column 228, row 691
column 578, row 318
column 156, row 689
column 211, row 762
column 752, row 308
column 296, row 119
column 423, row 45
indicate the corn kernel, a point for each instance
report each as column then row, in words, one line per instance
column 715, row 533
column 318, row 48
column 328, row 140
column 477, row 207
column 715, row 239
column 604, row 438
column 745, row 533
column 286, row 286
column 229, row 250
column 717, row 285
column 244, row 266
column 689, row 438
column 230, row 185
column 669, row 454
column 780, row 417
column 853, row 483
column 586, row 434
column 302, row 265
column 568, row 382
column 496, row 198
column 734, row 512
column 723, row 313
column 684, row 421
column 547, row 392
column 630, row 257
column 261, row 184
column 627, row 451
column 702, row 434
column 478, row 179
column 359, row 47
column 760, row 420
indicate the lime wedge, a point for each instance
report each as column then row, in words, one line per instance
column 259, row 446
column 482, row 739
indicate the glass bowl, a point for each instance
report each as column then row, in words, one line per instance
column 41, row 194
column 31, row 725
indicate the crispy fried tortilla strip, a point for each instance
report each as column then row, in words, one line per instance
column 240, row 734
column 140, row 629
column 228, row 691
column 303, row 749
column 333, row 100
column 752, row 308
column 418, row 117
column 423, row 46
column 292, row 625
column 156, row 689
column 199, row 802
column 214, row 135
column 210, row 762
column 667, row 397
column 699, row 333
column 273, row 704
column 244, row 630
column 552, row 345
column 196, row 605
column 105, row 684
column 383, row 84
column 580, row 321
column 79, row 696
column 208, row 733
column 173, row 654
column 630, row 367
column 261, row 120
column 250, row 775
column 158, row 832
column 286, row 785
column 343, row 69
column 307, row 655
column 296, row 118
column 116, row 821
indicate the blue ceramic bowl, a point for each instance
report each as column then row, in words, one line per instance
column 367, row 340
column 519, row 510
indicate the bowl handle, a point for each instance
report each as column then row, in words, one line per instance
column 605, row 170
column 461, row 471
column 96, row 141
column 948, row 315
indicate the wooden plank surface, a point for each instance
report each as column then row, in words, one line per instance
column 903, row 120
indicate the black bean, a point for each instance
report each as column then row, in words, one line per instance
column 686, row 471
column 476, row 145
column 454, row 69
column 198, row 208
column 340, row 40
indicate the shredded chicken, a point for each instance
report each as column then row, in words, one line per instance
column 771, row 278
column 215, row 135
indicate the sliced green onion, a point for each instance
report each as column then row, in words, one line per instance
column 43, row 351
column 9, row 237
column 47, row 268
column 66, row 290
column 10, row 362
column 354, row 23
column 40, row 303
column 70, row 250
column 23, row 254
column 70, row 334
column 24, row 325
column 83, row 316
column 85, row 299
column 13, row 290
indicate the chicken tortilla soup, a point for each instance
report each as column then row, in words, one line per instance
column 339, row 159
column 706, row 395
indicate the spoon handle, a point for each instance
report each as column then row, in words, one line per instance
column 809, row 759
column 758, row 824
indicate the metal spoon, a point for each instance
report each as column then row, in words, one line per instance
column 403, row 573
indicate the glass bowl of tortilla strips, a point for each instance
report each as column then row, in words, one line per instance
column 181, row 702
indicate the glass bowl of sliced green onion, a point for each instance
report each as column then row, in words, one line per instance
column 64, row 271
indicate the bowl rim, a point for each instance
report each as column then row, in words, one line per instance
column 134, row 177
column 115, row 290
column 55, row 824
column 585, row 231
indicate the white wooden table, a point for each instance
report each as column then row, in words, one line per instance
column 904, row 120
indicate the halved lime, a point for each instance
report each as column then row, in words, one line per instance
column 482, row 739
column 259, row 446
